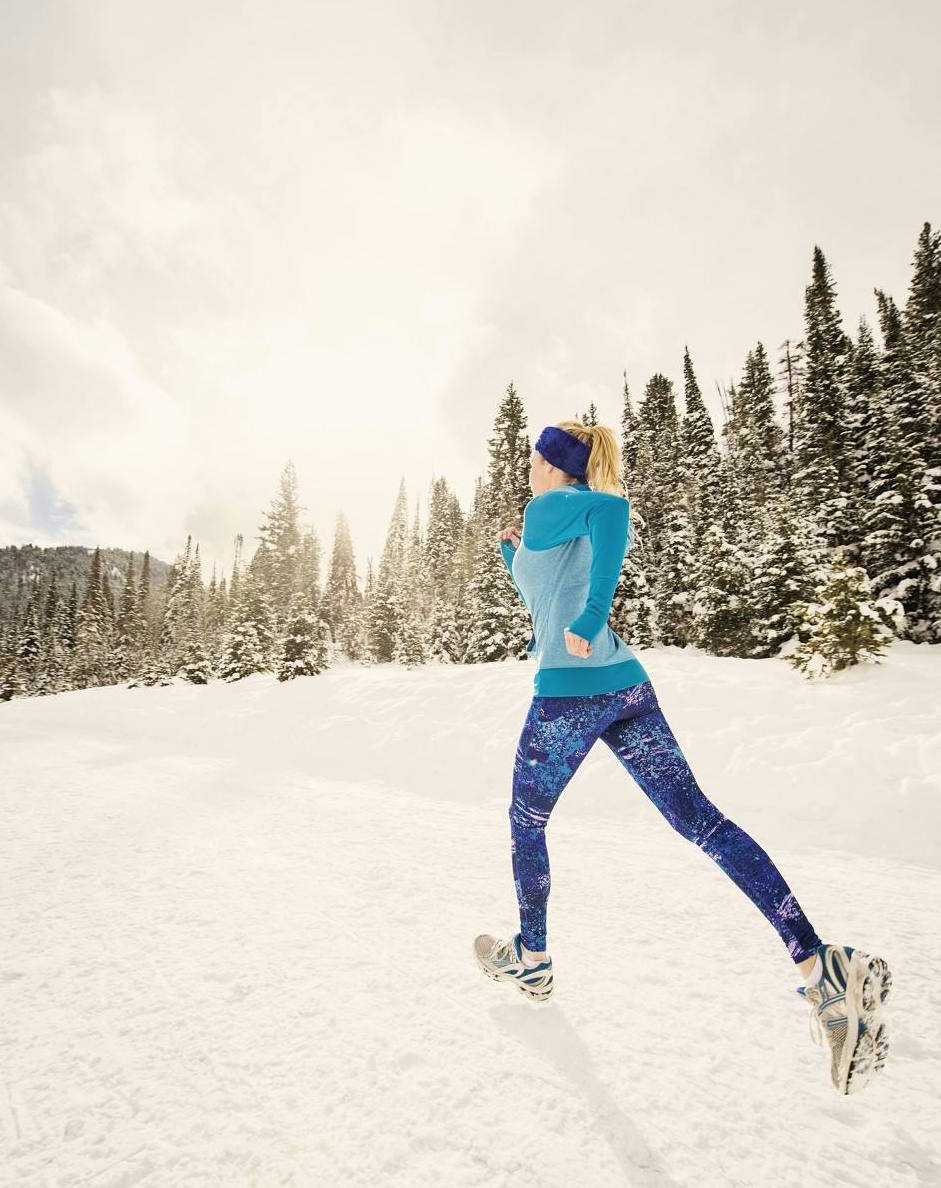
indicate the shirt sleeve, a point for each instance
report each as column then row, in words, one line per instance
column 508, row 549
column 607, row 532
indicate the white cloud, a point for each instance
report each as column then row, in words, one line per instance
column 336, row 234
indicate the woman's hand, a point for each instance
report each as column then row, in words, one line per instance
column 576, row 645
column 512, row 535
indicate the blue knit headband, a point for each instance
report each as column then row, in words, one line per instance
column 565, row 450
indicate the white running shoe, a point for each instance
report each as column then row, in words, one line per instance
column 502, row 960
column 847, row 1001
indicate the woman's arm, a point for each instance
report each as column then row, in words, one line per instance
column 607, row 532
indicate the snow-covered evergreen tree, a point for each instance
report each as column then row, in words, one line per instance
column 385, row 612
column 493, row 624
column 341, row 597
column 444, row 640
column 901, row 545
column 71, row 621
column 632, row 608
column 304, row 646
column 500, row 502
column 757, row 438
column 247, row 644
column 127, row 649
column 91, row 665
column 196, row 664
column 699, row 457
column 215, row 617
column 29, row 645
column 786, row 564
column 863, row 386
column 790, row 376
column 308, row 572
column 57, row 653
column 277, row 562
column 822, row 461
column 847, row 625
column 181, row 642
column 655, row 493
column 443, row 557
column 722, row 575
column 922, row 331
column 410, row 646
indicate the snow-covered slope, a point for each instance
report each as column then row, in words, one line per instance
column 236, row 926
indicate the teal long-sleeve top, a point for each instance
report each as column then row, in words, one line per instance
column 566, row 569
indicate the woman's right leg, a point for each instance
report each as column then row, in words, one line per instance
column 645, row 745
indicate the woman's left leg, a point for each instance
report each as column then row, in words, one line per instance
column 557, row 735
column 645, row 745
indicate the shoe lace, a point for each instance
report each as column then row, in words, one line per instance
column 502, row 950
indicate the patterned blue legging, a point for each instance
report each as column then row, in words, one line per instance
column 557, row 735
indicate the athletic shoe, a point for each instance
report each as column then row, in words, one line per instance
column 847, row 1001
column 502, row 960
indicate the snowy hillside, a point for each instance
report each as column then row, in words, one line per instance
column 236, row 926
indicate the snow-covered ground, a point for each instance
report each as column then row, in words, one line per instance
column 236, row 926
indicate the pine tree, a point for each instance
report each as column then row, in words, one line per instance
column 177, row 613
column 57, row 653
column 278, row 559
column 341, row 597
column 259, row 611
column 385, row 612
column 922, row 330
column 699, row 457
column 863, row 384
column 308, row 573
column 758, row 439
column 195, row 664
column 786, row 564
column 29, row 645
column 674, row 588
column 90, row 660
column 628, row 437
column 71, row 621
column 633, row 609
column 493, row 623
column 107, row 599
column 901, row 545
column 128, row 645
column 720, row 610
column 656, row 496
column 722, row 576
column 246, row 645
column 235, row 581
column 847, row 625
column 304, row 647
column 510, row 457
column 410, row 648
column 444, row 641
column 11, row 682
column 216, row 616
column 791, row 374
column 821, row 479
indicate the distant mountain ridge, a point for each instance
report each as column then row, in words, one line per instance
column 23, row 565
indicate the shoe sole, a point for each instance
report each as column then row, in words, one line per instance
column 868, row 989
column 532, row 995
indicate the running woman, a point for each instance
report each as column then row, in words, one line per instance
column 588, row 685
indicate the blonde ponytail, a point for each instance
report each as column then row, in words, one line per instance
column 604, row 470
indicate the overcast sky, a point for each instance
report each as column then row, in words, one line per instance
column 233, row 234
